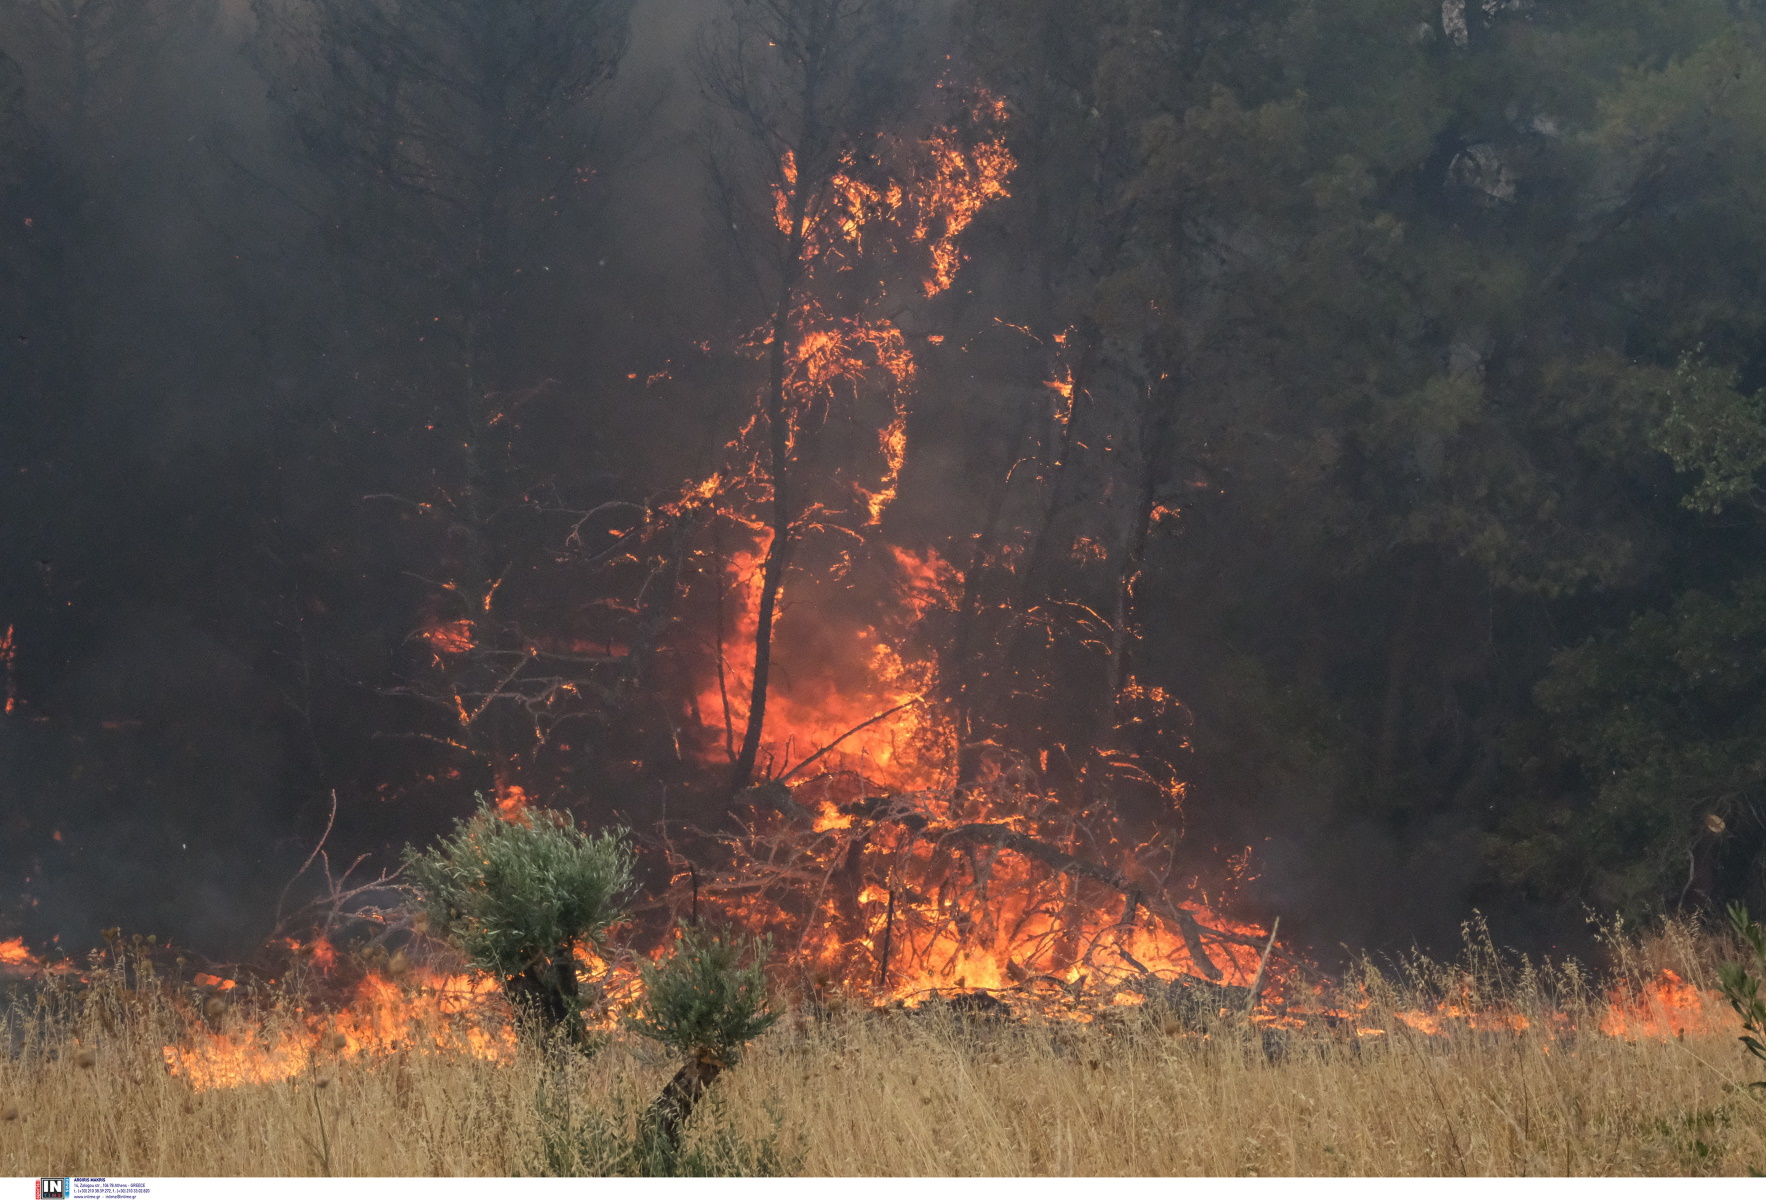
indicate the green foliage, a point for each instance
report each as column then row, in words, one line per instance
column 1394, row 304
column 1667, row 720
column 621, row 1143
column 1741, row 984
column 1713, row 431
column 518, row 898
column 702, row 1000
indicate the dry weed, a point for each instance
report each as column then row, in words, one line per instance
column 85, row 1090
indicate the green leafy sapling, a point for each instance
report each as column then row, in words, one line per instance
column 703, row 1001
column 1741, row 985
column 519, row 898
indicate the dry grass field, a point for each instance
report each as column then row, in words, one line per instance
column 1500, row 1068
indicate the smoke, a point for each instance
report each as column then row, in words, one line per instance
column 270, row 415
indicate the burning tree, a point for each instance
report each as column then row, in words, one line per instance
column 905, row 836
column 808, row 85
column 938, row 803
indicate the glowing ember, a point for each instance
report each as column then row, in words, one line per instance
column 450, row 638
column 511, row 802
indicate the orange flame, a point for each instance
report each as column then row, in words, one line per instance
column 447, row 1013
column 945, row 181
column 17, row 958
column 8, row 661
column 511, row 802
column 1664, row 1007
column 855, row 693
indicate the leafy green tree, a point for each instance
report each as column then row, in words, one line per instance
column 1666, row 720
column 1373, row 309
column 520, row 898
column 702, row 1001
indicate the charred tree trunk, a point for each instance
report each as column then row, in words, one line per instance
column 791, row 270
column 963, row 661
column 1155, row 438
column 550, row 993
column 1033, row 580
column 778, row 555
column 668, row 1114
column 1399, row 656
column 1155, row 448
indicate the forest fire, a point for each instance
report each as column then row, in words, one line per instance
column 891, row 850
column 898, row 840
column 821, row 587
column 882, row 856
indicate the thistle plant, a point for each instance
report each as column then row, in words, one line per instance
column 519, row 898
column 704, row 1002
column 1741, row 984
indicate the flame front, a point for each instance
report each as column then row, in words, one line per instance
column 451, row 1013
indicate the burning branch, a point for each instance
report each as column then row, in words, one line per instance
column 1072, row 865
column 868, row 722
column 807, row 879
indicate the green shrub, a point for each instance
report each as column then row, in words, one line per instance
column 1741, row 985
column 703, row 1002
column 519, row 898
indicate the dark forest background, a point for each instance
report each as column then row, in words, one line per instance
column 1419, row 353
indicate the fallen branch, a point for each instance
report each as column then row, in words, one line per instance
column 1047, row 853
column 1257, row 980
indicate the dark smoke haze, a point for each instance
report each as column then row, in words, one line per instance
column 1429, row 340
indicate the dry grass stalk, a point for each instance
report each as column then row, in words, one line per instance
column 1138, row 1092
